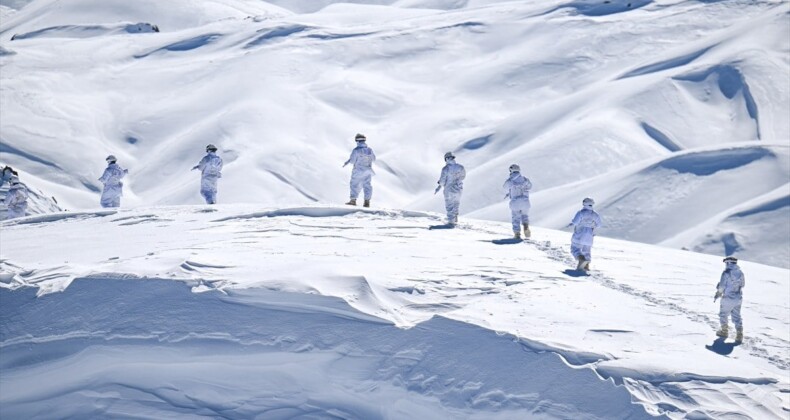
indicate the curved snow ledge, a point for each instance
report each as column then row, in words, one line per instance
column 56, row 217
column 657, row 378
column 324, row 212
column 107, row 347
column 571, row 357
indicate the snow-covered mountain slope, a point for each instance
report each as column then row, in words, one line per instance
column 672, row 114
column 295, row 312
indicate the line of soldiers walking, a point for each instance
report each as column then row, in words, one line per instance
column 516, row 187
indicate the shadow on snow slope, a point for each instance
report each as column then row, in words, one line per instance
column 730, row 82
column 87, row 31
column 108, row 347
column 710, row 162
column 595, row 8
column 324, row 212
column 185, row 45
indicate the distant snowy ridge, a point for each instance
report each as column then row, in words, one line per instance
column 585, row 96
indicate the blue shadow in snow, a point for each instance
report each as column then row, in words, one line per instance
column 508, row 241
column 77, row 31
column 731, row 244
column 291, row 184
column 445, row 226
column 477, row 143
column 278, row 32
column 328, row 36
column 666, row 64
column 575, row 273
column 185, row 45
column 660, row 137
column 5, row 148
column 471, row 24
column 731, row 81
column 721, row 347
column 708, row 163
column 601, row 7
column 777, row 204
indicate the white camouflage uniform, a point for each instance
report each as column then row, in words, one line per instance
column 362, row 157
column 731, row 289
column 211, row 170
column 452, row 180
column 113, row 187
column 584, row 224
column 517, row 188
column 16, row 201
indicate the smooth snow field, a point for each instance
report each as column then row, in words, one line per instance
column 280, row 302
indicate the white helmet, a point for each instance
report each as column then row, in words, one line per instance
column 514, row 168
column 111, row 159
column 588, row 202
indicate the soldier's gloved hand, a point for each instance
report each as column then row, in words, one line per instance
column 194, row 167
column 438, row 187
column 718, row 295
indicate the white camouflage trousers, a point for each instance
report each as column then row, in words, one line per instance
column 208, row 189
column 452, row 202
column 519, row 213
column 730, row 306
column 361, row 179
column 578, row 249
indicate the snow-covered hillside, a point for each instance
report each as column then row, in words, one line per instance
column 671, row 113
column 234, row 311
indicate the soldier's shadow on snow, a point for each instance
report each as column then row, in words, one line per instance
column 445, row 226
column 575, row 273
column 721, row 347
column 508, row 241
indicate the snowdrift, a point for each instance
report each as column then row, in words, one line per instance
column 235, row 310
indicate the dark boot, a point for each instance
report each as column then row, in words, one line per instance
column 723, row 332
column 352, row 202
column 581, row 260
column 366, row 203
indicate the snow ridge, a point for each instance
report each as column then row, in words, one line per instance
column 379, row 301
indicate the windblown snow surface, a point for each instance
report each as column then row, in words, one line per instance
column 235, row 311
column 672, row 114
column 281, row 303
